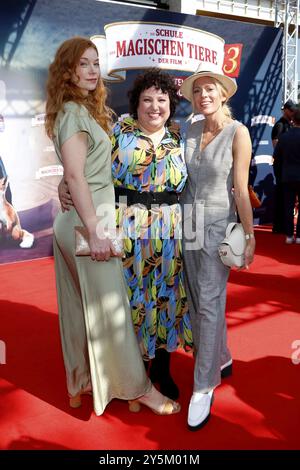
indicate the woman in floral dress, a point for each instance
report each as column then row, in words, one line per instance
column 149, row 174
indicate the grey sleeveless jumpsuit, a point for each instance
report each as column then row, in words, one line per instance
column 208, row 206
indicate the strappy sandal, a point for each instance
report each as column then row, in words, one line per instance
column 167, row 407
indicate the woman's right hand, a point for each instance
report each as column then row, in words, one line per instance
column 100, row 246
column 64, row 196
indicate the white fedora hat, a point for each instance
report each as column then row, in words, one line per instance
column 202, row 71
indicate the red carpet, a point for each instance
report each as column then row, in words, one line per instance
column 257, row 408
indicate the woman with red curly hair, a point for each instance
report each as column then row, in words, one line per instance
column 100, row 350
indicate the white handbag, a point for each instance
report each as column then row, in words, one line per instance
column 232, row 248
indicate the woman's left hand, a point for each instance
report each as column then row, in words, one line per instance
column 249, row 252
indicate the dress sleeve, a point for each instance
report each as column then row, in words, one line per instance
column 73, row 121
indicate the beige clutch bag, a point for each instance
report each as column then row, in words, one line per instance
column 82, row 247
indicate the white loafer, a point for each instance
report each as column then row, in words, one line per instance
column 199, row 409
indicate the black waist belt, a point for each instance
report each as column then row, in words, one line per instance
column 147, row 198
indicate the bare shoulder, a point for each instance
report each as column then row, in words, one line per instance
column 241, row 135
column 242, row 143
column 242, row 131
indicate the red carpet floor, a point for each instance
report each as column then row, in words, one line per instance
column 257, row 408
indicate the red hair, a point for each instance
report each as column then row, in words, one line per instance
column 61, row 89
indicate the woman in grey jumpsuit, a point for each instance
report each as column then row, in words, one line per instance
column 218, row 153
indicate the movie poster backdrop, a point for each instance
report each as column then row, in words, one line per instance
column 129, row 39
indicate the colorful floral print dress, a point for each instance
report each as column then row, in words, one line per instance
column 153, row 264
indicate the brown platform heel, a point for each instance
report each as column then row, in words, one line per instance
column 75, row 401
column 158, row 403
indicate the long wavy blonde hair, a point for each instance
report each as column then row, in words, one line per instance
column 60, row 87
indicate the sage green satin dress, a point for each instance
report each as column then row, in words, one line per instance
column 99, row 344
